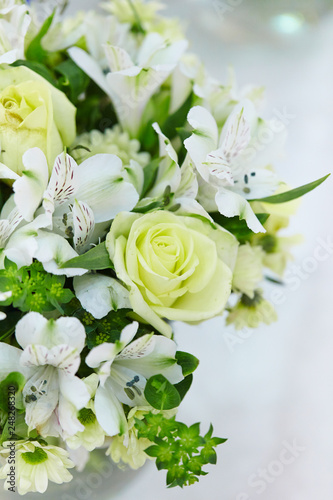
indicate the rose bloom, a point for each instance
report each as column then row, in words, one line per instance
column 175, row 267
column 33, row 113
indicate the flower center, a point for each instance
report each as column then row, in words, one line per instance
column 35, row 457
column 86, row 416
column 9, row 104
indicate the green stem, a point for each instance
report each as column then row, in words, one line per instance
column 137, row 17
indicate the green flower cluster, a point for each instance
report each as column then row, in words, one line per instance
column 33, row 289
column 179, row 449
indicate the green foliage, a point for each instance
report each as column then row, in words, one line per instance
column 73, row 81
column 237, row 227
column 179, row 449
column 160, row 394
column 188, row 362
column 38, row 68
column 35, row 50
column 184, row 386
column 107, row 329
column 95, row 259
column 177, row 119
column 13, row 380
column 8, row 324
column 150, row 173
column 293, row 194
column 33, row 289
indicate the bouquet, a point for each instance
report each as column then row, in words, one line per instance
column 136, row 190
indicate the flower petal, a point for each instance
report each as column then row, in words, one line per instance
column 204, row 139
column 109, row 411
column 84, row 224
column 74, row 390
column 232, row 204
column 100, row 294
column 151, row 356
column 89, row 66
column 62, row 183
column 106, row 192
column 101, row 353
column 53, row 251
column 29, row 188
column 9, row 359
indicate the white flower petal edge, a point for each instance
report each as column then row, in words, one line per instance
column 106, row 192
column 53, row 251
column 30, row 187
column 100, row 294
column 9, row 360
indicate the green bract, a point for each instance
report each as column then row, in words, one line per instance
column 175, row 267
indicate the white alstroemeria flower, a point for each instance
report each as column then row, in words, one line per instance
column 182, row 181
column 36, row 465
column 93, row 436
column 77, row 205
column 124, row 368
column 130, row 84
column 14, row 25
column 83, row 198
column 53, row 394
column 100, row 294
column 223, row 164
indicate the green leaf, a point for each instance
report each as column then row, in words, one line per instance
column 177, row 119
column 73, row 80
column 237, row 227
column 188, row 362
column 38, row 68
column 183, row 133
column 155, row 205
column 95, row 259
column 8, row 324
column 35, row 51
column 184, row 386
column 293, row 194
column 14, row 380
column 150, row 172
column 160, row 394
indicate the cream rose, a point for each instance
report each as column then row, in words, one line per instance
column 33, row 113
column 175, row 267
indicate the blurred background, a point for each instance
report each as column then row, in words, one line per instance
column 270, row 392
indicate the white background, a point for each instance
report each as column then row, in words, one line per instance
column 277, row 385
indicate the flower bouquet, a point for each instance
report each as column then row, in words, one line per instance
column 136, row 190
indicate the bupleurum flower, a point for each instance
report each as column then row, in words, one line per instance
column 113, row 141
column 35, row 466
column 250, row 313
